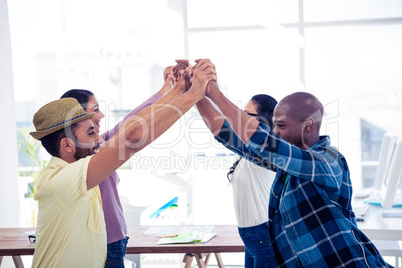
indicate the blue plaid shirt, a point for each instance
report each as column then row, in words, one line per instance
column 311, row 223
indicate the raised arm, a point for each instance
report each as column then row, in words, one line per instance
column 211, row 116
column 217, row 124
column 168, row 80
column 140, row 130
column 243, row 124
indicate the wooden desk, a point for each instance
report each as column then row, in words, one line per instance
column 14, row 242
column 227, row 240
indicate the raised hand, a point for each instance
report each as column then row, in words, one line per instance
column 169, row 80
column 203, row 72
column 168, row 76
column 212, row 88
column 181, row 65
column 184, row 80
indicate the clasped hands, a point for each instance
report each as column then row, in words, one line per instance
column 200, row 78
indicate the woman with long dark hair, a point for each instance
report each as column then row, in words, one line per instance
column 251, row 183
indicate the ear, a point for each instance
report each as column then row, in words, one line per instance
column 308, row 124
column 67, row 145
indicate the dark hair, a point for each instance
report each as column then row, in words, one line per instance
column 51, row 142
column 265, row 106
column 81, row 95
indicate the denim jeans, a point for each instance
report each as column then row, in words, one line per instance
column 115, row 253
column 258, row 253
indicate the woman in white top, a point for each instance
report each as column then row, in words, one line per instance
column 251, row 183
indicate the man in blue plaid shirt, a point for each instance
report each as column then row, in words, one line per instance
column 311, row 223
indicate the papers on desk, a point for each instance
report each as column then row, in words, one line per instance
column 186, row 238
column 163, row 230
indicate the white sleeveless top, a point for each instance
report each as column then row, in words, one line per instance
column 251, row 185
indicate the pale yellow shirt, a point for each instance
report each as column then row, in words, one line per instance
column 71, row 228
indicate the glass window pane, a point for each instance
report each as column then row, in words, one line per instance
column 368, row 174
column 327, row 10
column 120, row 58
column 211, row 13
column 251, row 62
column 358, row 60
column 371, row 138
column 361, row 68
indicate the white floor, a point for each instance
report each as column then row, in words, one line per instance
column 231, row 260
column 152, row 261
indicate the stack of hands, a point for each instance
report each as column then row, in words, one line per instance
column 184, row 75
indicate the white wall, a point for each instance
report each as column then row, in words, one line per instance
column 8, row 156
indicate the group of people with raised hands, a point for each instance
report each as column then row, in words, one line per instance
column 291, row 188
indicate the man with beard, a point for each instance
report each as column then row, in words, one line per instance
column 71, row 228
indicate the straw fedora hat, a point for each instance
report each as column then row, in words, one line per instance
column 57, row 115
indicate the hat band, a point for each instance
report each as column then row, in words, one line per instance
column 66, row 121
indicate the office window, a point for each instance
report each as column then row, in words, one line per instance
column 114, row 49
column 225, row 13
column 354, row 60
column 251, row 62
column 339, row 10
column 345, row 52
column 360, row 66
column 371, row 139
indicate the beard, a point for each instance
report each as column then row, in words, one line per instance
column 82, row 152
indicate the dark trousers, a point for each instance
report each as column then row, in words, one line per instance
column 115, row 253
column 258, row 253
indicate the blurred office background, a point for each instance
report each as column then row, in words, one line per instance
column 347, row 53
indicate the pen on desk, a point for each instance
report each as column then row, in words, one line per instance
column 169, row 235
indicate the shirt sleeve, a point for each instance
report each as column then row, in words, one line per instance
column 228, row 138
column 320, row 165
column 110, row 133
column 70, row 183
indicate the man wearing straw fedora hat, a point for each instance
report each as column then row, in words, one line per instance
column 71, row 228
